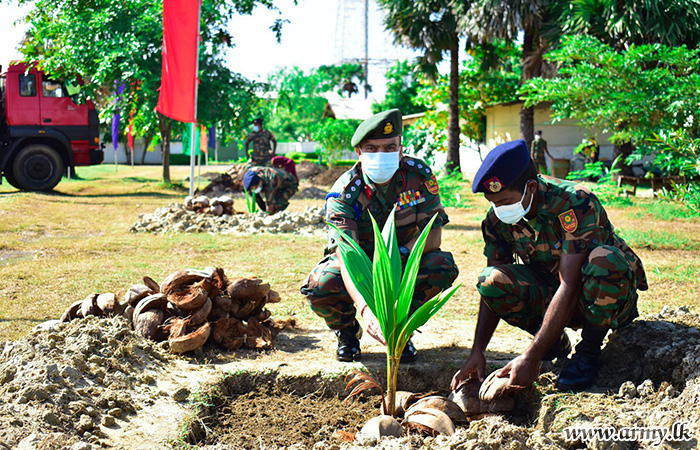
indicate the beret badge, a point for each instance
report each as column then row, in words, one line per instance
column 388, row 128
column 494, row 185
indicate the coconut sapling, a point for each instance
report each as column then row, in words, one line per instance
column 388, row 291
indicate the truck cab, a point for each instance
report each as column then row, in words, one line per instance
column 43, row 131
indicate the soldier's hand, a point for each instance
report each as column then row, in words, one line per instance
column 522, row 371
column 372, row 326
column 475, row 366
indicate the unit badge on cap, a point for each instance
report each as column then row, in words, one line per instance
column 568, row 221
column 432, row 185
column 388, row 128
column 493, row 184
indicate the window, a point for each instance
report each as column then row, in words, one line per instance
column 53, row 89
column 27, row 85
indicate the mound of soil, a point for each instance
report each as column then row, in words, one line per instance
column 311, row 193
column 63, row 381
column 328, row 177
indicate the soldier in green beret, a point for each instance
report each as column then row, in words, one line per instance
column 383, row 180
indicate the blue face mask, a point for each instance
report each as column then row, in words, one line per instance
column 380, row 166
column 256, row 128
column 514, row 213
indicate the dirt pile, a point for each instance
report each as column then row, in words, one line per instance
column 311, row 193
column 176, row 219
column 63, row 381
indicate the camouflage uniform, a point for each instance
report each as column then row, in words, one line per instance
column 538, row 153
column 570, row 220
column 275, row 178
column 348, row 205
column 262, row 150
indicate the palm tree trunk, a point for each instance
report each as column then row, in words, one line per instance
column 527, row 115
column 453, row 124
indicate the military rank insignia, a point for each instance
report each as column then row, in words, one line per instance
column 432, row 185
column 408, row 198
column 568, row 221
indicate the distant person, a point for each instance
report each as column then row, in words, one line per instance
column 272, row 186
column 264, row 144
column 384, row 180
column 285, row 163
column 350, row 88
column 554, row 261
column 538, row 149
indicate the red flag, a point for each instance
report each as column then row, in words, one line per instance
column 178, row 85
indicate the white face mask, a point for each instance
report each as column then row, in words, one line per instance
column 380, row 166
column 537, row 137
column 511, row 214
column 258, row 189
column 256, row 128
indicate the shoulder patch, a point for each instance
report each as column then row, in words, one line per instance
column 416, row 165
column 432, row 185
column 353, row 189
column 568, row 221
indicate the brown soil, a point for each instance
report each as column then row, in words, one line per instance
column 328, row 177
column 265, row 414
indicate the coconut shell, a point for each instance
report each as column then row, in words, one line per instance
column 466, row 396
column 89, row 307
column 147, row 324
column 188, row 299
column 224, row 303
column 258, row 336
column 108, row 303
column 137, row 292
column 201, row 315
column 494, row 387
column 229, row 333
column 72, row 311
column 381, row 426
column 402, row 401
column 273, row 297
column 218, row 283
column 128, row 314
column 191, row 341
column 244, row 288
column 216, row 314
column 263, row 315
column 453, row 411
column 277, row 325
column 155, row 301
column 176, row 327
column 151, row 284
column 429, row 421
column 180, row 278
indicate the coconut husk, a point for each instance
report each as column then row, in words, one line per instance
column 402, row 401
column 151, row 284
column 381, row 426
column 494, row 387
column 188, row 298
column 258, row 336
column 218, row 283
column 229, row 333
column 128, row 314
column 277, row 325
column 241, row 289
column 182, row 277
column 175, row 327
column 273, row 297
column 88, row 307
column 147, row 324
column 224, row 303
column 108, row 303
column 429, row 421
column 263, row 315
column 72, row 311
column 453, row 411
column 466, row 396
column 191, row 341
column 155, row 301
column 201, row 315
column 217, row 314
column 138, row 292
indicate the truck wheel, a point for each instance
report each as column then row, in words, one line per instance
column 10, row 178
column 37, row 167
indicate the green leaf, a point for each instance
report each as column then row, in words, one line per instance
column 384, row 290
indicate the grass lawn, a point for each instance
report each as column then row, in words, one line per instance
column 59, row 247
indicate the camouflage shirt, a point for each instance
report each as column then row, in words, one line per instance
column 570, row 220
column 413, row 192
column 538, row 149
column 262, row 146
column 276, row 182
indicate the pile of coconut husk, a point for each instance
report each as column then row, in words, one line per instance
column 216, row 206
column 191, row 307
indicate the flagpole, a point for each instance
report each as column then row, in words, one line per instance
column 196, row 89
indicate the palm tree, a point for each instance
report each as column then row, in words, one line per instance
column 538, row 20
column 432, row 26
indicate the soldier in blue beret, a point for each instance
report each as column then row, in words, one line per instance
column 383, row 180
column 554, row 261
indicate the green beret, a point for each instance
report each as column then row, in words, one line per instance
column 386, row 124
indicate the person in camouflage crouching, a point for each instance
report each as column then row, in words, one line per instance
column 382, row 180
column 554, row 261
column 272, row 186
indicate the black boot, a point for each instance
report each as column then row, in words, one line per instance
column 581, row 371
column 348, row 343
column 560, row 349
column 409, row 353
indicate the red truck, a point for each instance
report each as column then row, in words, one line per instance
column 43, row 132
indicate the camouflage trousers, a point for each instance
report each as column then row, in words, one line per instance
column 281, row 199
column 325, row 291
column 521, row 293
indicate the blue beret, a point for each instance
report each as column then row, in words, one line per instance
column 503, row 165
column 249, row 178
